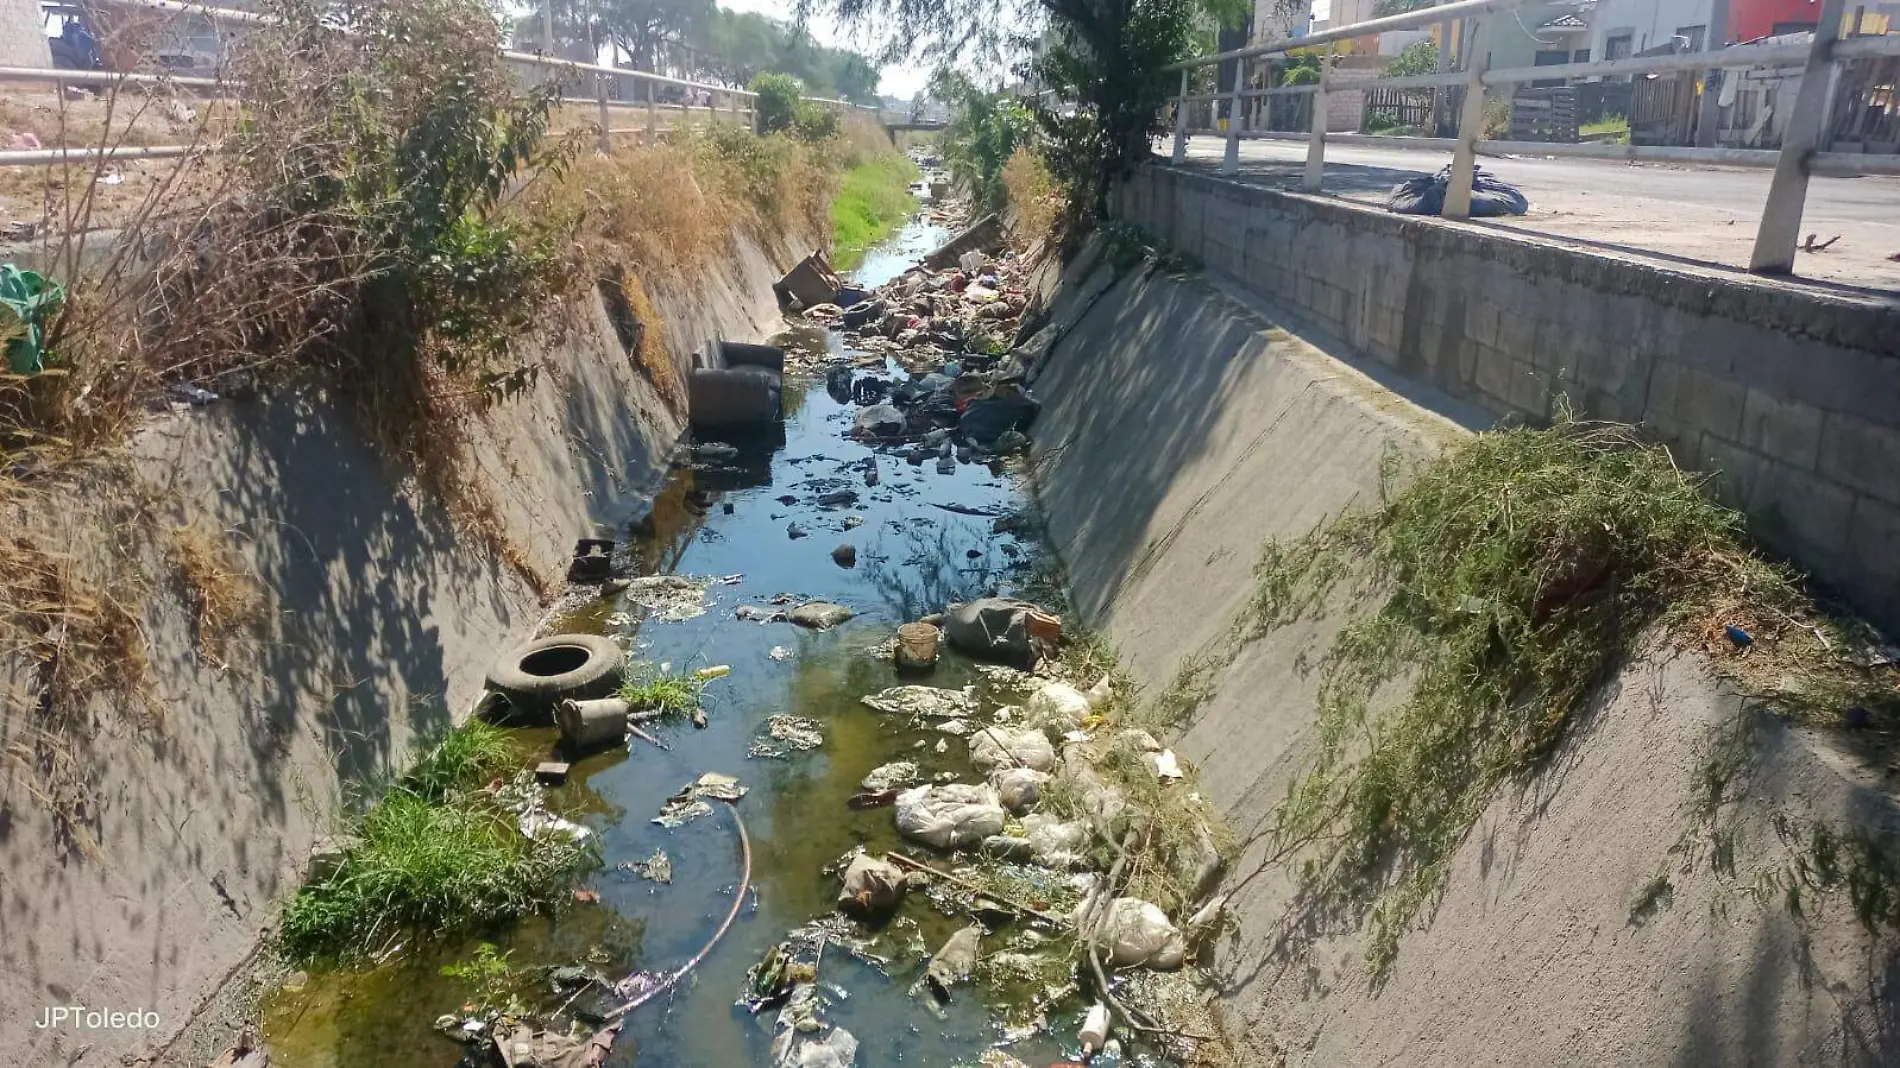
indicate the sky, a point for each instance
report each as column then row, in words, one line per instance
column 897, row 79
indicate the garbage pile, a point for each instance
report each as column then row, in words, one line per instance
column 948, row 324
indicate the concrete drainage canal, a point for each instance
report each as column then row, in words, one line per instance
column 751, row 899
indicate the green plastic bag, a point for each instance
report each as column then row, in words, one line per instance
column 28, row 300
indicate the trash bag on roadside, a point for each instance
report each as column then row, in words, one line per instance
column 1425, row 195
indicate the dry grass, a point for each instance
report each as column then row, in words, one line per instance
column 649, row 351
column 221, row 594
column 1035, row 195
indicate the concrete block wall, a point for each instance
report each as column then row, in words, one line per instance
column 22, row 37
column 1788, row 395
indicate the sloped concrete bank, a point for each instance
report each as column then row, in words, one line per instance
column 379, row 620
column 1186, row 422
column 1790, row 391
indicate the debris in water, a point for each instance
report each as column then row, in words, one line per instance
column 950, row 816
column 871, row 886
column 669, row 598
column 956, row 727
column 658, row 867
column 779, row 652
column 524, row 1046
column 819, row 615
column 682, row 808
column 929, row 702
column 954, row 961
column 794, row 531
column 787, row 733
column 718, row 787
column 886, row 776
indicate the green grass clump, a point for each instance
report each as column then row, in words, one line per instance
column 1504, row 585
column 873, row 200
column 657, row 687
column 439, row 854
column 464, row 759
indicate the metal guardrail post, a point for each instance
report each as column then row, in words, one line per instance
column 1788, row 193
column 1230, row 159
column 1464, row 159
column 600, row 102
column 653, row 114
column 1180, row 121
column 1316, row 141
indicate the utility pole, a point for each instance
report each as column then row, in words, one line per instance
column 547, row 28
column 1710, row 116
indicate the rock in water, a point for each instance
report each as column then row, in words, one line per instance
column 845, row 555
column 819, row 615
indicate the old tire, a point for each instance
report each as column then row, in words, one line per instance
column 536, row 675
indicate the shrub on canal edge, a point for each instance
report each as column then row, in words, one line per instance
column 439, row 853
column 1505, row 584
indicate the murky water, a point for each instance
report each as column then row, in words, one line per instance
column 912, row 556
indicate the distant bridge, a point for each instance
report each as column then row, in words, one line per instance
column 895, row 128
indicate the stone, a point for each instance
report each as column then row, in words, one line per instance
column 845, row 555
column 890, row 776
column 819, row 615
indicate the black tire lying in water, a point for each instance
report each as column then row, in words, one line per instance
column 537, row 675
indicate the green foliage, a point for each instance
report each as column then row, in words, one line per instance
column 496, row 983
column 403, row 136
column 873, row 200
column 656, row 687
column 431, row 868
column 783, row 109
column 1301, row 69
column 1419, row 57
column 779, row 98
column 462, row 760
column 1109, row 58
column 985, row 130
column 1506, row 583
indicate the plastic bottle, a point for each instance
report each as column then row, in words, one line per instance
column 716, row 672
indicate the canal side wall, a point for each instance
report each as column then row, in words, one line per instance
column 1186, row 421
column 1790, row 392
column 381, row 618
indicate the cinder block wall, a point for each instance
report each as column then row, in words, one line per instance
column 22, row 37
column 1789, row 395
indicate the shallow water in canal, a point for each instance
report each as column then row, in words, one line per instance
column 731, row 520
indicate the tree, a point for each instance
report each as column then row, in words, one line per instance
column 1105, row 60
column 985, row 129
column 649, row 31
column 1419, row 57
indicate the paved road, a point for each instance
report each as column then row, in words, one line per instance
column 1703, row 214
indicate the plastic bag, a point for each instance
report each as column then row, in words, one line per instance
column 1425, row 195
column 950, row 816
column 1012, row 747
column 29, row 300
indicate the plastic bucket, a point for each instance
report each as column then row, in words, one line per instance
column 917, row 645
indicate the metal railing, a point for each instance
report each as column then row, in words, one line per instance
column 1794, row 162
column 609, row 92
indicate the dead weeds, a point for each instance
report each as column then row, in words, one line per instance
column 222, row 595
